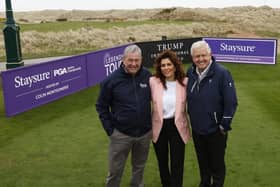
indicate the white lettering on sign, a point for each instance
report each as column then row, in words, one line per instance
column 112, row 63
column 237, row 48
column 29, row 80
column 59, row 72
column 172, row 46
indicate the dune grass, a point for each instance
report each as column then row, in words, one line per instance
column 269, row 34
column 44, row 43
column 63, row 144
column 75, row 25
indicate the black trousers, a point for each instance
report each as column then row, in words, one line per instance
column 170, row 142
column 210, row 152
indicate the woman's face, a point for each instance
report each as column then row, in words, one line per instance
column 168, row 69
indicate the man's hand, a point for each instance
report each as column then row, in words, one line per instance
column 222, row 130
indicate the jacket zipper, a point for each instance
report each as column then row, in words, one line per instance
column 193, row 86
column 136, row 96
column 215, row 116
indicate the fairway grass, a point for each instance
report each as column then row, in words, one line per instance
column 63, row 143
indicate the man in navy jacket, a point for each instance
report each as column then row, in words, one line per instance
column 212, row 103
column 125, row 112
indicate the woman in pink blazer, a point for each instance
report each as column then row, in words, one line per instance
column 170, row 124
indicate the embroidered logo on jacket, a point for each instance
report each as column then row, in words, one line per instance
column 143, row 85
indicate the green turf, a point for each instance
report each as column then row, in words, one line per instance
column 63, row 144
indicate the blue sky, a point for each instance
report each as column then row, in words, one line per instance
column 27, row 5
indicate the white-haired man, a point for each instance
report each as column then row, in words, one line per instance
column 212, row 103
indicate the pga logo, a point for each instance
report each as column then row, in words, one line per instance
column 59, row 72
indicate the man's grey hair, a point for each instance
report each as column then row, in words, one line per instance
column 200, row 44
column 132, row 49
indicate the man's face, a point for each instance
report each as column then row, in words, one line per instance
column 132, row 63
column 201, row 58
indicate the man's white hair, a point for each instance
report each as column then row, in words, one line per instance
column 200, row 44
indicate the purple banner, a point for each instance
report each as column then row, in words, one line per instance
column 102, row 63
column 241, row 50
column 27, row 87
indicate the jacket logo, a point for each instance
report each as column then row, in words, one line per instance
column 143, row 85
column 210, row 80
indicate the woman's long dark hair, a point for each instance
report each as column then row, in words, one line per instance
column 179, row 71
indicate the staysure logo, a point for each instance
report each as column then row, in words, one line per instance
column 237, row 48
column 30, row 80
column 112, row 63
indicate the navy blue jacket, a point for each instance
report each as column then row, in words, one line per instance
column 212, row 102
column 124, row 102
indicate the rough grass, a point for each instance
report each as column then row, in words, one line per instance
column 90, row 30
column 76, row 25
column 70, row 42
column 63, row 144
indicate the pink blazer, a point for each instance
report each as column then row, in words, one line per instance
column 181, row 121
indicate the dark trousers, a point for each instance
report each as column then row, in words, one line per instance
column 169, row 141
column 210, row 152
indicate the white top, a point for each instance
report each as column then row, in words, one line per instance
column 169, row 100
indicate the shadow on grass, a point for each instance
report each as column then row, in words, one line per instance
column 44, row 115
